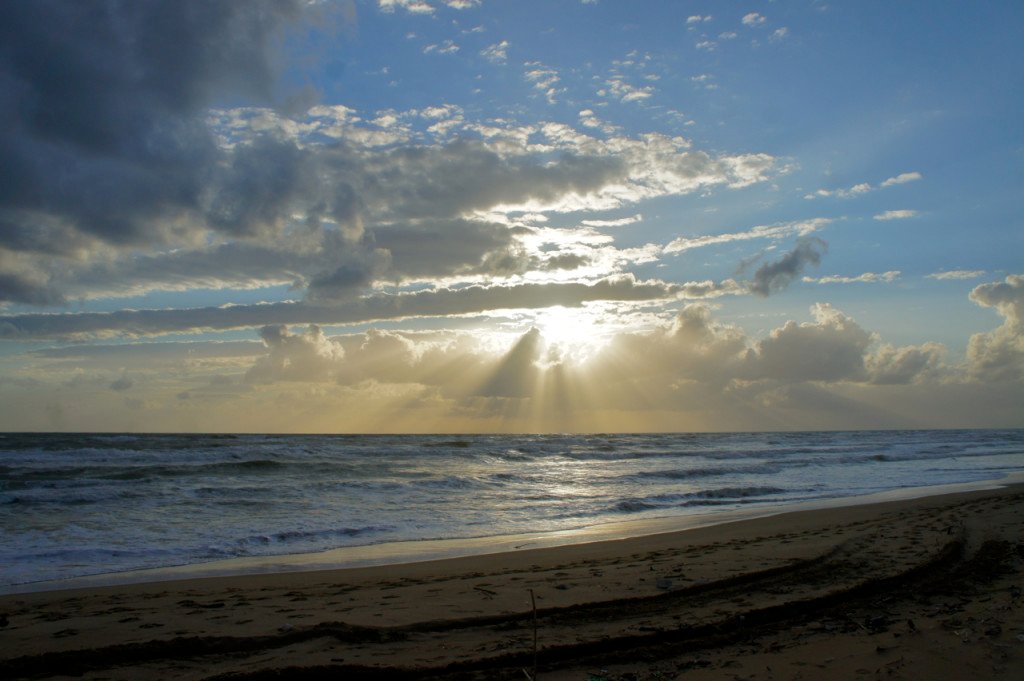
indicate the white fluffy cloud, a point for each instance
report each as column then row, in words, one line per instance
column 862, row 188
column 892, row 365
column 901, row 214
column 957, row 274
column 625, row 92
column 865, row 278
column 801, row 228
column 830, row 349
column 414, row 6
column 497, row 53
column 308, row 356
column 902, row 178
column 998, row 355
column 826, row 370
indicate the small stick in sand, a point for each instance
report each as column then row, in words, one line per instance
column 533, row 676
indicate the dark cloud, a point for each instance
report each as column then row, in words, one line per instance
column 566, row 261
column 105, row 139
column 21, row 288
column 103, row 104
column 146, row 146
column 122, row 383
column 436, row 302
column 349, row 272
column 516, row 374
column 775, row 276
column 467, row 175
column 441, row 247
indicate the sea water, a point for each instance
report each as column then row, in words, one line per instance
column 73, row 505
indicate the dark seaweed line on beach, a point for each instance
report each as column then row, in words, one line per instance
column 947, row 563
column 78, row 661
column 192, row 647
column 989, row 562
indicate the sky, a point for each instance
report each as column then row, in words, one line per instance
column 511, row 216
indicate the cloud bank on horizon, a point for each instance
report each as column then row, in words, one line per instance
column 462, row 215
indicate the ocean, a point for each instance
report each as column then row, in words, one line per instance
column 73, row 505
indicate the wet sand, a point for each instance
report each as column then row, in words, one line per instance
column 911, row 589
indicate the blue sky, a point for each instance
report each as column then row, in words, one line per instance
column 462, row 215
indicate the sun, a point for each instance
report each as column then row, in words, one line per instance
column 575, row 333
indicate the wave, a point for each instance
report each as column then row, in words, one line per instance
column 207, row 497
column 705, row 472
column 711, row 497
column 318, row 536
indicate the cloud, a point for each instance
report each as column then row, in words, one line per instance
column 566, row 261
column 956, row 274
column 496, row 53
column 122, row 383
column 413, row 6
column 830, row 349
column 151, row 357
column 625, row 92
column 890, row 365
column 692, row 368
column 753, row 19
column 701, row 356
column 160, row 190
column 896, row 215
column 775, row 276
column 902, row 178
column 516, row 373
column 697, row 18
column 437, row 302
column 694, row 348
column 309, row 356
column 779, row 34
column 632, row 219
column 704, row 80
column 801, row 228
column 447, row 47
column 116, row 110
column 300, row 210
column 864, row 187
column 544, row 80
column 867, row 277
column 855, row 190
column 998, row 355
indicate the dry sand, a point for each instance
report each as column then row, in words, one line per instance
column 914, row 589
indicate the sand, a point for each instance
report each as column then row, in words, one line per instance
column 926, row 588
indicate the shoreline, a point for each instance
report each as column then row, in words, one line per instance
column 397, row 553
column 919, row 587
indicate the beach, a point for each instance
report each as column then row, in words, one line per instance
column 911, row 588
